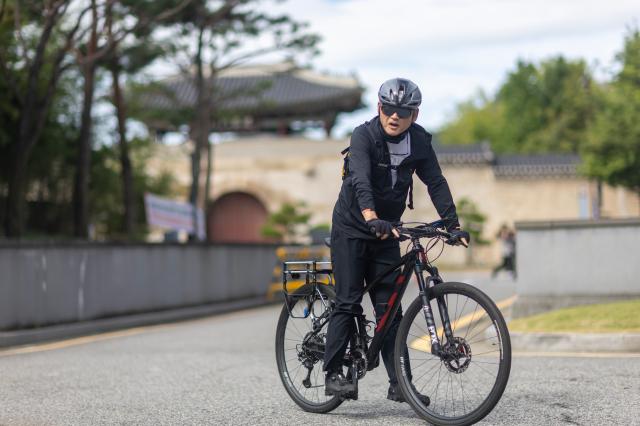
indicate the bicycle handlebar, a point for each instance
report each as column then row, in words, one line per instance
column 425, row 230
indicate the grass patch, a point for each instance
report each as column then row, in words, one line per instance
column 605, row 318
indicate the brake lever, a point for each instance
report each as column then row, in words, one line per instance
column 453, row 240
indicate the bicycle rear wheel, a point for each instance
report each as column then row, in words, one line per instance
column 466, row 384
column 300, row 365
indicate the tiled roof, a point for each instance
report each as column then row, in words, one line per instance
column 536, row 165
column 464, row 154
column 267, row 91
column 509, row 166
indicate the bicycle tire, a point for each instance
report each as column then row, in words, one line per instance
column 284, row 356
column 481, row 362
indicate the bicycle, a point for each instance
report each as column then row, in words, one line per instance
column 464, row 338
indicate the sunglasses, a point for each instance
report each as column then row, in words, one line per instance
column 389, row 110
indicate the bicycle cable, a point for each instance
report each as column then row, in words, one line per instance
column 431, row 246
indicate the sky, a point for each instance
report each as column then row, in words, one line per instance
column 453, row 48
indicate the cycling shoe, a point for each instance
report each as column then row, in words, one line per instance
column 395, row 394
column 337, row 384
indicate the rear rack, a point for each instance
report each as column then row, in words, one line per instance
column 295, row 274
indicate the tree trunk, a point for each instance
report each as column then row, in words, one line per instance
column 17, row 182
column 207, row 185
column 128, row 196
column 207, row 182
column 201, row 128
column 32, row 119
column 83, row 165
column 195, row 177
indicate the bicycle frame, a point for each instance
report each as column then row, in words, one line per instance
column 414, row 262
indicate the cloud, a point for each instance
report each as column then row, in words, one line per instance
column 452, row 48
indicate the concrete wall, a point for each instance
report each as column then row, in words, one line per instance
column 567, row 263
column 48, row 284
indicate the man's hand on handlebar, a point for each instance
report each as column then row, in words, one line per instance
column 459, row 237
column 382, row 229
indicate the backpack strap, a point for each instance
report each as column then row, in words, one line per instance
column 345, row 162
column 410, row 203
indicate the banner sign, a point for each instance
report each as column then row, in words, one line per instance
column 171, row 214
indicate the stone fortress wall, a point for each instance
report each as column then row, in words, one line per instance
column 281, row 169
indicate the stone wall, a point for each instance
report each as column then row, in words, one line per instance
column 288, row 169
column 566, row 263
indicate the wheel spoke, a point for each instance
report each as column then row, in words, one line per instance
column 482, row 340
column 428, row 371
column 472, row 322
column 292, row 358
column 467, row 371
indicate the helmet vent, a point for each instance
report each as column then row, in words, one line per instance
column 400, row 92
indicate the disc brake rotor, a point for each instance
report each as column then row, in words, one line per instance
column 458, row 356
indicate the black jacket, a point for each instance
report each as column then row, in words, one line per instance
column 368, row 182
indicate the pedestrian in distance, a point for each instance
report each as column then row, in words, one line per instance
column 507, row 239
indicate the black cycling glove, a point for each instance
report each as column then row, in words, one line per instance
column 458, row 236
column 380, row 227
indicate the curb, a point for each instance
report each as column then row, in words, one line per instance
column 576, row 342
column 64, row 331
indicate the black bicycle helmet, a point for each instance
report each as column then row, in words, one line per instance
column 400, row 92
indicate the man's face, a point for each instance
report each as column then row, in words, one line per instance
column 396, row 120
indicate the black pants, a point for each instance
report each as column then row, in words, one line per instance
column 356, row 261
column 508, row 264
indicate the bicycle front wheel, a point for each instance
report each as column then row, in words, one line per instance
column 300, row 347
column 466, row 381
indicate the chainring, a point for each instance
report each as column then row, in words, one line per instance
column 359, row 359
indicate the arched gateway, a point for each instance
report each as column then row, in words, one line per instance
column 236, row 217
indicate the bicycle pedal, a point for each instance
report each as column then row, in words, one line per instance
column 344, row 395
column 350, row 395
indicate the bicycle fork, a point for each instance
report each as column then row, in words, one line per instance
column 425, row 288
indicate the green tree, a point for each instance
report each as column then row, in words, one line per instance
column 546, row 108
column 472, row 221
column 478, row 119
column 613, row 150
column 106, row 189
column 43, row 44
column 212, row 36
column 127, row 57
column 539, row 108
column 110, row 24
column 37, row 38
column 288, row 223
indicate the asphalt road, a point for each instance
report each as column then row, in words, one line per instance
column 221, row 370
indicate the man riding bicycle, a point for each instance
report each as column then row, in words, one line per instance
column 382, row 157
